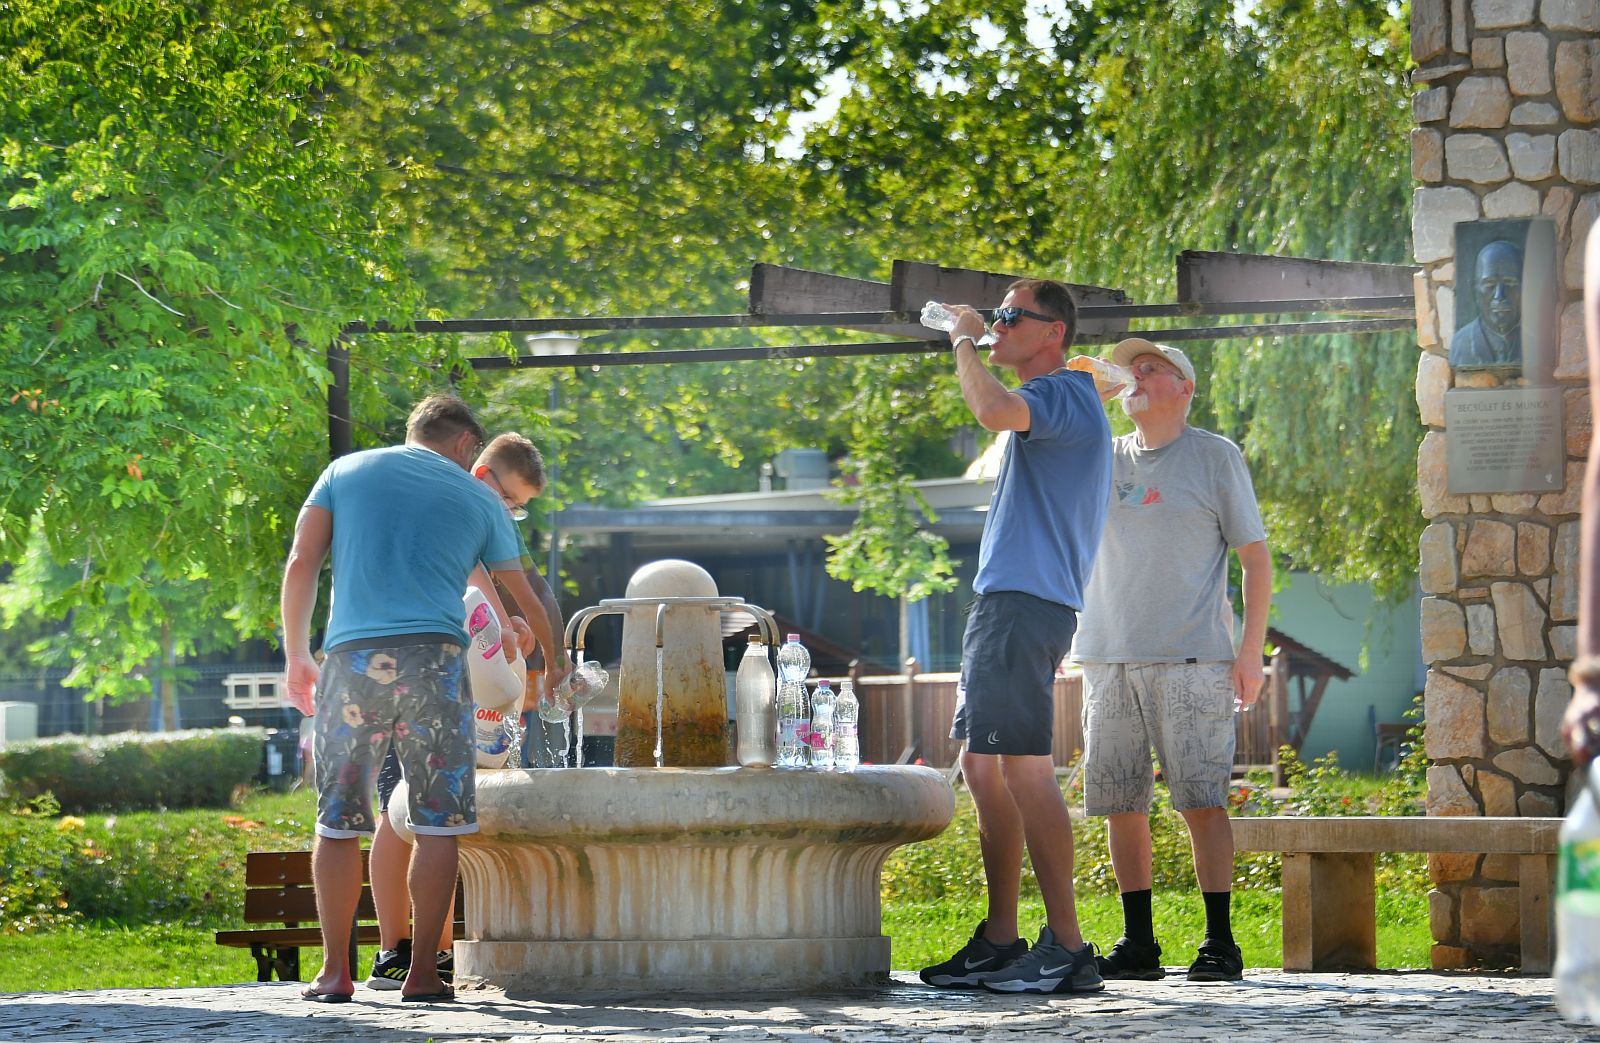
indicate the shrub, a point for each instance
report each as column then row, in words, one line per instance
column 34, row 846
column 132, row 771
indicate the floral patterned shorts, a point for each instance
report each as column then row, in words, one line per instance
column 416, row 693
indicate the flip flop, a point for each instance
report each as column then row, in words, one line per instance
column 313, row 996
column 447, row 995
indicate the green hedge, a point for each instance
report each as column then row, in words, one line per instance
column 131, row 771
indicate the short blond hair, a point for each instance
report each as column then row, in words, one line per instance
column 514, row 453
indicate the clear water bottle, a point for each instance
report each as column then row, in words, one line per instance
column 821, row 740
column 754, row 690
column 1577, row 970
column 846, row 728
column 793, row 723
column 581, row 686
column 794, row 662
column 1107, row 375
column 936, row 316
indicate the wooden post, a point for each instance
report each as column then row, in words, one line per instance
column 1329, row 912
column 908, row 705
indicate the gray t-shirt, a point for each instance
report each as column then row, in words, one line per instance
column 1158, row 591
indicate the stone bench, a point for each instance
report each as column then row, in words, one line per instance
column 1329, row 905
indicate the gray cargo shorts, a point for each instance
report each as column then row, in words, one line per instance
column 1183, row 710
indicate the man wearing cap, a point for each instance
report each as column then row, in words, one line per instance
column 1156, row 645
column 1038, row 543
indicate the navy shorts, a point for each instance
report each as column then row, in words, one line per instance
column 1006, row 701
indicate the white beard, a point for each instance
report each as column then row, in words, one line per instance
column 1135, row 404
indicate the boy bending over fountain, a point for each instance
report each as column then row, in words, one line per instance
column 1039, row 540
column 405, row 526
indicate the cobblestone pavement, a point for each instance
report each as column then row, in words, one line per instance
column 1269, row 1005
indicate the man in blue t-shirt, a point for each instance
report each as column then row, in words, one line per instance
column 1044, row 522
column 406, row 525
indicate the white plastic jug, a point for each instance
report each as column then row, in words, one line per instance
column 496, row 684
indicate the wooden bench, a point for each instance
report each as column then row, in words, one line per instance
column 1329, row 905
column 278, row 891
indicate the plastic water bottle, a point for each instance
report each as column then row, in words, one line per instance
column 792, row 722
column 754, row 696
column 794, row 662
column 1106, row 374
column 936, row 316
column 846, row 728
column 580, row 687
column 821, row 740
column 1577, row 970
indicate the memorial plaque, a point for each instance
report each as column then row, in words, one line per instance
column 1504, row 440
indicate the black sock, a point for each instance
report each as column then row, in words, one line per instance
column 1218, row 927
column 1137, row 924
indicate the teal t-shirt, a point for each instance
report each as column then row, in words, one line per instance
column 409, row 526
column 1049, row 500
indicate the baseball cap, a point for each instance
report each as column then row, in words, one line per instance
column 1128, row 350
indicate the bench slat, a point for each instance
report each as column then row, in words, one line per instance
column 306, row 937
column 272, row 868
column 294, row 905
column 1334, row 834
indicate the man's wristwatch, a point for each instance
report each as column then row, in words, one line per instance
column 964, row 337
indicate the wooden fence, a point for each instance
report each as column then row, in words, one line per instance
column 907, row 716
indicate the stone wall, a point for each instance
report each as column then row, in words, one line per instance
column 1506, row 105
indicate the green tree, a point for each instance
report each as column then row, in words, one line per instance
column 180, row 238
column 1133, row 129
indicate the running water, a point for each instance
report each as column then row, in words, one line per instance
column 661, row 672
column 514, row 736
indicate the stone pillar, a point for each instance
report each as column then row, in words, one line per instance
column 1506, row 106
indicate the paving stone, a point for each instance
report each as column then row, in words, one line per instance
column 1268, row 1005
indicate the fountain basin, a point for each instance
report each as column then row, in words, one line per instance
column 687, row 879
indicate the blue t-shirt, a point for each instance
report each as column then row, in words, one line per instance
column 409, row 526
column 1049, row 502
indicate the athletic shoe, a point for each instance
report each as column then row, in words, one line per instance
column 389, row 967
column 1048, row 967
column 1129, row 960
column 1218, row 961
column 965, row 970
column 446, row 961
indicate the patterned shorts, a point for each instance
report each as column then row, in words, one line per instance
column 1184, row 710
column 415, row 695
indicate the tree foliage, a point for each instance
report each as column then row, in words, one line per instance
column 179, row 240
column 196, row 198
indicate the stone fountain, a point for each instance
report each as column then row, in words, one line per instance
column 685, row 875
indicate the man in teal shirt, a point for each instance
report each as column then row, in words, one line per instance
column 406, row 526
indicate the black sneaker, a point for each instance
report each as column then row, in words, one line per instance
column 446, row 961
column 1048, row 967
column 1129, row 960
column 1218, row 961
column 965, row 970
column 390, row 966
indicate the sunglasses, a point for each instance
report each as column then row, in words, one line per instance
column 1009, row 317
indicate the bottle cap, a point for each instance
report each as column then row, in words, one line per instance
column 753, row 639
column 793, row 637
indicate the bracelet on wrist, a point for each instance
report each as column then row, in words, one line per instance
column 965, row 337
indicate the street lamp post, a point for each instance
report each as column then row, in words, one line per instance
column 545, row 345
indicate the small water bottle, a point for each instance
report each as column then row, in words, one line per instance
column 846, row 728
column 794, row 662
column 1106, row 375
column 793, row 725
column 578, row 690
column 1577, row 970
column 755, row 706
column 936, row 316
column 821, row 740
